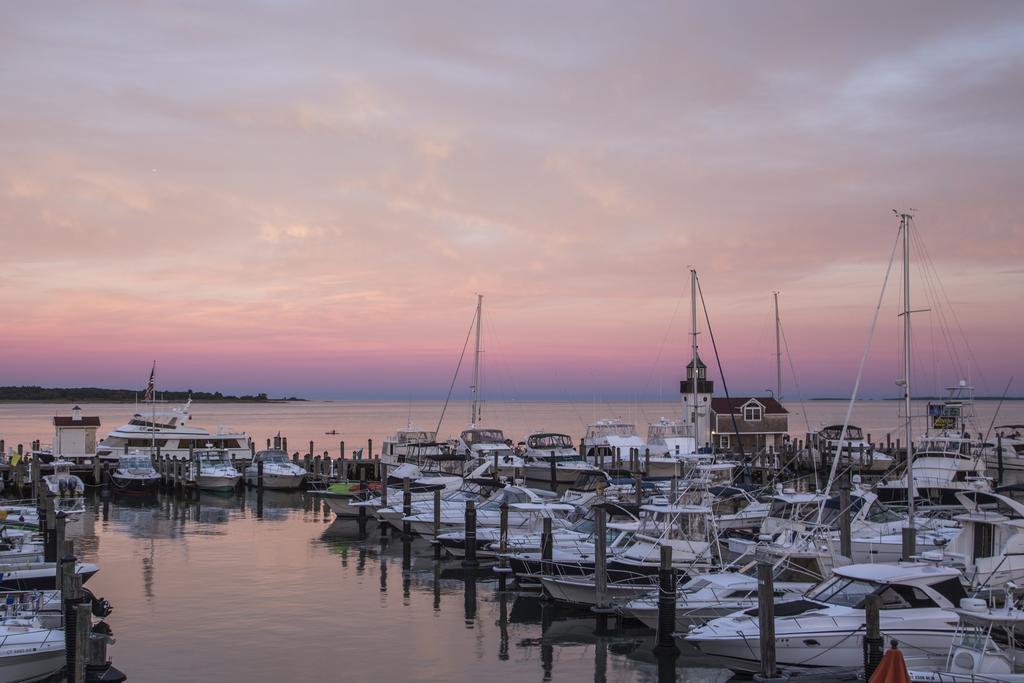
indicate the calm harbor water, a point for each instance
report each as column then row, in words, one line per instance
column 223, row 588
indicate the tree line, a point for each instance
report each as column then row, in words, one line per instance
column 73, row 394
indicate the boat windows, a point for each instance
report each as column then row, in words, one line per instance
column 950, row 589
column 549, row 441
column 478, row 436
column 984, row 540
column 274, row 458
column 135, row 463
column 904, row 597
column 843, row 592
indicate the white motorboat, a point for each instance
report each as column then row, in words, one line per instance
column 820, row 630
column 216, row 473
column 278, row 471
column 710, row 596
column 688, row 529
column 29, row 651
column 480, row 445
column 989, row 546
column 524, row 537
column 615, row 437
column 863, row 456
column 409, row 441
column 547, row 454
column 68, row 489
column 488, row 513
column 172, row 431
column 135, row 473
column 1010, row 440
column 986, row 647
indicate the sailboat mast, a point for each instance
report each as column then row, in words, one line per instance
column 475, row 409
column 693, row 351
column 778, row 350
column 905, row 227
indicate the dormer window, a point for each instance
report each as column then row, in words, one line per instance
column 752, row 413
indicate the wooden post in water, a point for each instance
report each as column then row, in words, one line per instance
column 666, row 603
column 362, row 508
column 874, row 643
column 406, row 507
column 546, row 541
column 328, row 465
column 437, row 523
column 384, row 486
column 603, row 607
column 96, row 470
column 369, row 449
column 259, row 475
column 766, row 619
column 999, row 458
column 502, row 569
column 37, row 475
column 647, row 461
column 554, row 472
column 59, row 534
column 284, row 444
column 469, row 560
column 639, row 494
column 845, row 542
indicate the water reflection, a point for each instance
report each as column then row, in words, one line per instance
column 166, row 559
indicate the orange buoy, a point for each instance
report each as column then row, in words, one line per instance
column 892, row 668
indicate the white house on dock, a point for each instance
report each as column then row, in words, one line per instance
column 74, row 437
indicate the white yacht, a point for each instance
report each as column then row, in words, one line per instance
column 216, row 473
column 408, row 441
column 821, row 630
column 543, row 448
column 615, row 435
column 135, row 473
column 278, row 471
column 986, row 647
column 1011, row 439
column 863, row 456
column 488, row 445
column 29, row 651
column 62, row 483
column 174, row 434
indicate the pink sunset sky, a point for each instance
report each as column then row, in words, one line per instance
column 304, row 198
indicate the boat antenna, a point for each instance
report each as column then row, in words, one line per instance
column 778, row 349
column 998, row 407
column 721, row 373
column 693, row 354
column 475, row 407
column 860, row 373
column 455, row 376
column 905, row 222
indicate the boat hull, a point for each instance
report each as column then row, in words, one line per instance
column 213, row 482
column 280, row 482
column 135, row 484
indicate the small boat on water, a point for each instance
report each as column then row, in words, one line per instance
column 29, row 651
column 986, row 647
column 821, row 630
column 216, row 473
column 544, row 449
column 135, row 474
column 278, row 471
column 68, row 488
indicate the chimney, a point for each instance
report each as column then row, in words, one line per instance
column 76, row 414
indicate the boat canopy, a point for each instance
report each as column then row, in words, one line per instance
column 832, row 433
column 546, row 440
column 274, row 456
column 473, row 437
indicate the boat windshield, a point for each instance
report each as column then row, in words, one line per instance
column 277, row 458
column 549, row 441
column 476, row 436
column 416, row 437
column 213, row 458
column 612, row 429
column 509, row 496
column 843, row 592
column 800, row 512
column 135, row 462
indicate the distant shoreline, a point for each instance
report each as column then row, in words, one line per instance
column 34, row 394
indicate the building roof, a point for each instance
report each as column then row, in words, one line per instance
column 62, row 421
column 721, row 405
column 700, row 363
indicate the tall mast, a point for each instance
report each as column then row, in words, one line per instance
column 778, row 350
column 905, row 227
column 909, row 533
column 475, row 410
column 693, row 360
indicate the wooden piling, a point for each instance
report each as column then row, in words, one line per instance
column 873, row 642
column 845, row 541
column 603, row 606
column 469, row 559
column 406, row 507
column 766, row 618
column 554, row 472
column 284, row 444
column 647, row 461
column 666, row 603
column 546, row 541
column 437, row 523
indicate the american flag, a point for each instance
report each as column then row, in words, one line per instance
column 152, row 384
